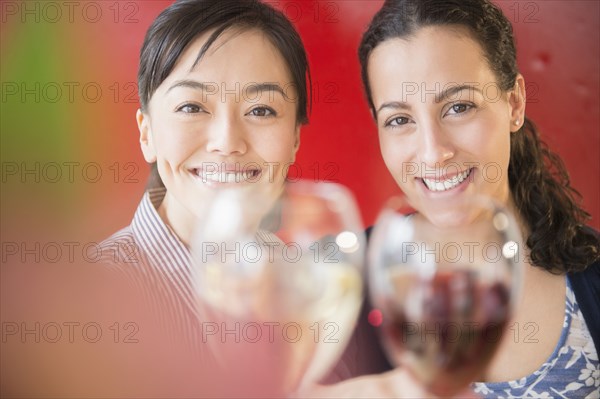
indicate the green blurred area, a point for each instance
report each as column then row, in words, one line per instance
column 34, row 124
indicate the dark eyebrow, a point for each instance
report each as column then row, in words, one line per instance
column 249, row 89
column 449, row 92
column 256, row 88
column 392, row 105
column 192, row 84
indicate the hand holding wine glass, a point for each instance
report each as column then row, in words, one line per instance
column 287, row 272
column 445, row 285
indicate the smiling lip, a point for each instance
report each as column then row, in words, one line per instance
column 226, row 176
column 445, row 183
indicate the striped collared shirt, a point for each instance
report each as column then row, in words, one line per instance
column 159, row 265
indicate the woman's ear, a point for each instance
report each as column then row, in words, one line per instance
column 517, row 99
column 146, row 142
column 297, row 141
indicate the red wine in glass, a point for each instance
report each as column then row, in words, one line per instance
column 447, row 328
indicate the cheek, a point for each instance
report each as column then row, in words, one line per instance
column 395, row 157
column 493, row 146
column 171, row 142
column 281, row 150
column 275, row 145
column 503, row 151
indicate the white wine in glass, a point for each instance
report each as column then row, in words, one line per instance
column 287, row 273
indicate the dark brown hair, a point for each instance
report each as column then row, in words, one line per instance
column 558, row 238
column 179, row 24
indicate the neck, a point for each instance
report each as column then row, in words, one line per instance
column 177, row 217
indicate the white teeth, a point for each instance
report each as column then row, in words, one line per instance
column 444, row 185
column 226, row 177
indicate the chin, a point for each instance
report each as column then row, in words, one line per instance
column 446, row 219
column 448, row 216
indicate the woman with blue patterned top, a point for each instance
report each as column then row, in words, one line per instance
column 443, row 86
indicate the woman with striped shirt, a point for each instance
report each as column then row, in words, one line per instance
column 223, row 93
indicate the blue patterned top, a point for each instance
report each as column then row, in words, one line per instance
column 572, row 371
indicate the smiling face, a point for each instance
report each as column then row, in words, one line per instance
column 227, row 121
column 444, row 124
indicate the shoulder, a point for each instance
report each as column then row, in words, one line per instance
column 119, row 249
column 588, row 280
column 123, row 236
column 586, row 283
column 586, row 287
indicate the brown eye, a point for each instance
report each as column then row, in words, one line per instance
column 262, row 112
column 189, row 109
column 459, row 108
column 398, row 121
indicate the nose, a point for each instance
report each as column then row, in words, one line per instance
column 226, row 136
column 435, row 146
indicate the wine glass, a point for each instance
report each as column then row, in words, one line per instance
column 446, row 284
column 285, row 272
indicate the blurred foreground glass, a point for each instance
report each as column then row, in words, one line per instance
column 446, row 290
column 282, row 278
